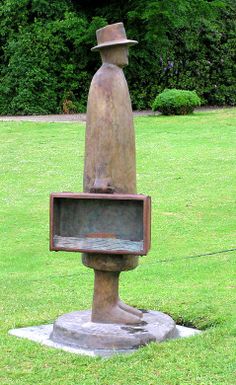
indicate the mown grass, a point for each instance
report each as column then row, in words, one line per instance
column 187, row 165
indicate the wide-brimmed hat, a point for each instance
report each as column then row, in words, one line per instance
column 112, row 34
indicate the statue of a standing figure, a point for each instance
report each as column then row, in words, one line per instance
column 110, row 164
column 111, row 230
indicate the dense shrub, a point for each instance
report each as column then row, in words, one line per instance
column 45, row 51
column 176, row 102
column 45, row 58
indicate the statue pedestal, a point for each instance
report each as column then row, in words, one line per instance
column 76, row 330
column 42, row 334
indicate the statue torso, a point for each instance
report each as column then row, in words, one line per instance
column 110, row 142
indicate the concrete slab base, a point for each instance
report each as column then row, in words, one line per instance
column 75, row 333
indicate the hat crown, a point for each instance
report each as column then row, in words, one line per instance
column 112, row 35
column 113, row 32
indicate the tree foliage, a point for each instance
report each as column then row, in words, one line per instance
column 44, row 56
column 46, row 64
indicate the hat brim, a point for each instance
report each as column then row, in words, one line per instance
column 113, row 43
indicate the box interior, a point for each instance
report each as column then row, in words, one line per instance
column 98, row 224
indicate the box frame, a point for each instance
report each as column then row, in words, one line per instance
column 91, row 196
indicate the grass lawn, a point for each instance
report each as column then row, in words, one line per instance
column 188, row 166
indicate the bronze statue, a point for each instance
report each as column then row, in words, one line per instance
column 110, row 164
column 108, row 222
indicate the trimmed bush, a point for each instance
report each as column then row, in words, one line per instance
column 176, row 102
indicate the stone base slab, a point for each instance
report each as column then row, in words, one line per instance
column 76, row 329
column 75, row 333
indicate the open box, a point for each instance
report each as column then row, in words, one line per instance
column 100, row 223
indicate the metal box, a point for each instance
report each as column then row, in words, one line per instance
column 100, row 223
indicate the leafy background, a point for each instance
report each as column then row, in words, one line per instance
column 46, row 64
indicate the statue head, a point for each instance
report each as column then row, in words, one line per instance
column 113, row 44
column 117, row 55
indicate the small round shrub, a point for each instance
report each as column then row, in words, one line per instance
column 176, row 102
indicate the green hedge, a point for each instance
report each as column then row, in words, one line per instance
column 46, row 64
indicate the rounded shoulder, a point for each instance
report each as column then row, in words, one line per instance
column 108, row 73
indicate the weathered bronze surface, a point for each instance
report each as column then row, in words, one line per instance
column 110, row 164
column 110, row 141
